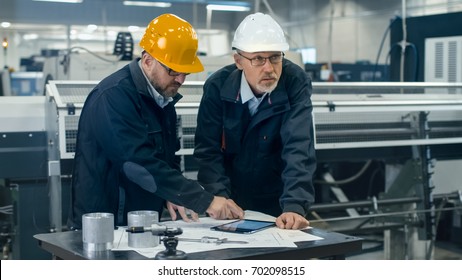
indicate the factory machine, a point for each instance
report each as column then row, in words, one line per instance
column 412, row 131
column 23, row 176
column 389, row 161
column 415, row 135
column 79, row 64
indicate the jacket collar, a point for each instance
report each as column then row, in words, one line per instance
column 231, row 87
column 140, row 81
column 232, row 84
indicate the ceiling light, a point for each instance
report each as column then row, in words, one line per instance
column 92, row 27
column 148, row 4
column 133, row 28
column 5, row 24
column 31, row 36
column 227, row 8
column 61, row 1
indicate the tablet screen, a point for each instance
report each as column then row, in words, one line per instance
column 244, row 226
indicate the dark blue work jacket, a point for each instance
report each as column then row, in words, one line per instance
column 125, row 155
column 266, row 162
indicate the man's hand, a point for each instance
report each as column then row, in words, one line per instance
column 291, row 220
column 222, row 209
column 172, row 208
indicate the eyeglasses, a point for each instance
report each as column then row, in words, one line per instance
column 260, row 61
column 173, row 73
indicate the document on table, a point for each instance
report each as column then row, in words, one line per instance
column 272, row 237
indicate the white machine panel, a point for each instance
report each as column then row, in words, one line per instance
column 22, row 113
column 443, row 60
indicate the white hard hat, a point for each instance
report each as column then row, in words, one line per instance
column 259, row 33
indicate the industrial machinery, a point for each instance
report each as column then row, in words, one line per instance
column 23, row 174
column 403, row 126
column 81, row 64
column 5, row 83
column 389, row 160
column 410, row 131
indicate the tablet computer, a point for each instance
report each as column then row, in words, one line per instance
column 244, row 226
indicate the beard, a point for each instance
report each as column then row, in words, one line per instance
column 169, row 90
column 268, row 87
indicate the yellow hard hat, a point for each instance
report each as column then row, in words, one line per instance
column 173, row 42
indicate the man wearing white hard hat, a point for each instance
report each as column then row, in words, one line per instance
column 254, row 139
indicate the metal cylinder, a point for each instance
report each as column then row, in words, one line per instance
column 143, row 218
column 97, row 231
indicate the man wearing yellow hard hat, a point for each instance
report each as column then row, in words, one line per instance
column 126, row 143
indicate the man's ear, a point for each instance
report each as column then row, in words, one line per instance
column 148, row 60
column 237, row 60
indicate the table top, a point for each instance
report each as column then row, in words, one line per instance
column 69, row 245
